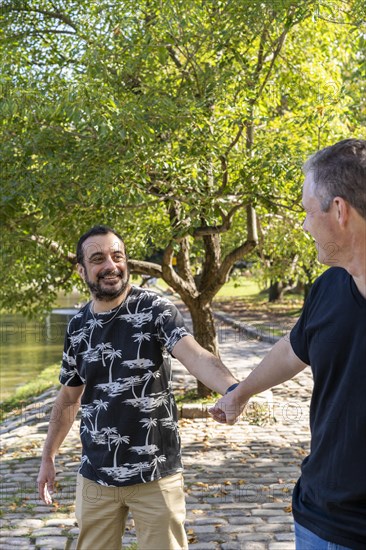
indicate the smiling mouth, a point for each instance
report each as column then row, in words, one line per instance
column 110, row 276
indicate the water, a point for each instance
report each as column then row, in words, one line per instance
column 28, row 347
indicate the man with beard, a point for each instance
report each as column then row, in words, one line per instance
column 116, row 365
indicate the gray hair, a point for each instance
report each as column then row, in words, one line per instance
column 340, row 171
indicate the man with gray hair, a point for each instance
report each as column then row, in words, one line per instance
column 329, row 499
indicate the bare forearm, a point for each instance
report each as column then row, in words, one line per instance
column 279, row 365
column 211, row 371
column 202, row 364
column 61, row 422
column 62, row 418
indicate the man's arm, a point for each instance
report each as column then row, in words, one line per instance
column 279, row 365
column 202, row 364
column 62, row 418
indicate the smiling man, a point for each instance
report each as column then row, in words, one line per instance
column 116, row 365
column 102, row 263
column 329, row 500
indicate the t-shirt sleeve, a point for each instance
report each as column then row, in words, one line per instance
column 299, row 337
column 68, row 373
column 170, row 325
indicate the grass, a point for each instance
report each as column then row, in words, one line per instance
column 25, row 394
column 191, row 396
column 239, row 287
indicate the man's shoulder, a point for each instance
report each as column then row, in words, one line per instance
column 149, row 296
column 328, row 286
column 332, row 275
column 80, row 317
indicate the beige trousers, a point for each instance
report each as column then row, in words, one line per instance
column 157, row 507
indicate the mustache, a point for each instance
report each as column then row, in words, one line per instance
column 109, row 272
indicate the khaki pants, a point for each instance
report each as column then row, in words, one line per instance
column 157, row 507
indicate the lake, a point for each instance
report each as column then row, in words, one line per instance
column 28, row 347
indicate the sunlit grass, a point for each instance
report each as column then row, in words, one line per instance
column 239, row 287
column 25, row 394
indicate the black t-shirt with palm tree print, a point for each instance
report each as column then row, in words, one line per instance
column 129, row 428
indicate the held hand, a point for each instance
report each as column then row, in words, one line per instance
column 228, row 409
column 46, row 480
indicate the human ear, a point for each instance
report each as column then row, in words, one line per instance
column 342, row 210
column 81, row 270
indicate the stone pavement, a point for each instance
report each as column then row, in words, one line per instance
column 238, row 478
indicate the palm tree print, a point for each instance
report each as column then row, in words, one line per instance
column 109, row 432
column 99, row 405
column 117, row 440
column 145, row 449
column 137, row 319
column 87, row 412
column 112, row 354
column 102, row 348
column 123, row 359
column 148, row 423
column 140, row 337
column 120, row 386
column 148, row 376
column 127, row 471
column 138, row 363
column 157, row 460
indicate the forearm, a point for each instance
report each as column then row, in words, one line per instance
column 202, row 364
column 61, row 422
column 62, row 418
column 279, row 365
column 212, row 372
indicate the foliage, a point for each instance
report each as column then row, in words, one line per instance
column 173, row 122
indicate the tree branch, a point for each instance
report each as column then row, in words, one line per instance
column 145, row 268
column 54, row 247
column 42, row 32
column 183, row 261
column 211, row 263
column 215, row 230
column 186, row 290
column 53, row 15
column 174, row 57
column 235, row 255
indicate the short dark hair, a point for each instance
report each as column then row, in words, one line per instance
column 340, row 171
column 96, row 230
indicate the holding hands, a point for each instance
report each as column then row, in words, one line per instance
column 228, row 408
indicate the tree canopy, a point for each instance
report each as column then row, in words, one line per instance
column 178, row 123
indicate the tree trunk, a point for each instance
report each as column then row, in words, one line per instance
column 275, row 291
column 205, row 333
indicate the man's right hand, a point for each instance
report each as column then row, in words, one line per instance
column 46, row 480
column 228, row 409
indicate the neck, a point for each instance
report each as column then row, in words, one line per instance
column 100, row 306
column 357, row 269
column 355, row 257
column 360, row 281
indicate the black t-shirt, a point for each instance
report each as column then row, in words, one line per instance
column 129, row 428
column 330, row 496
